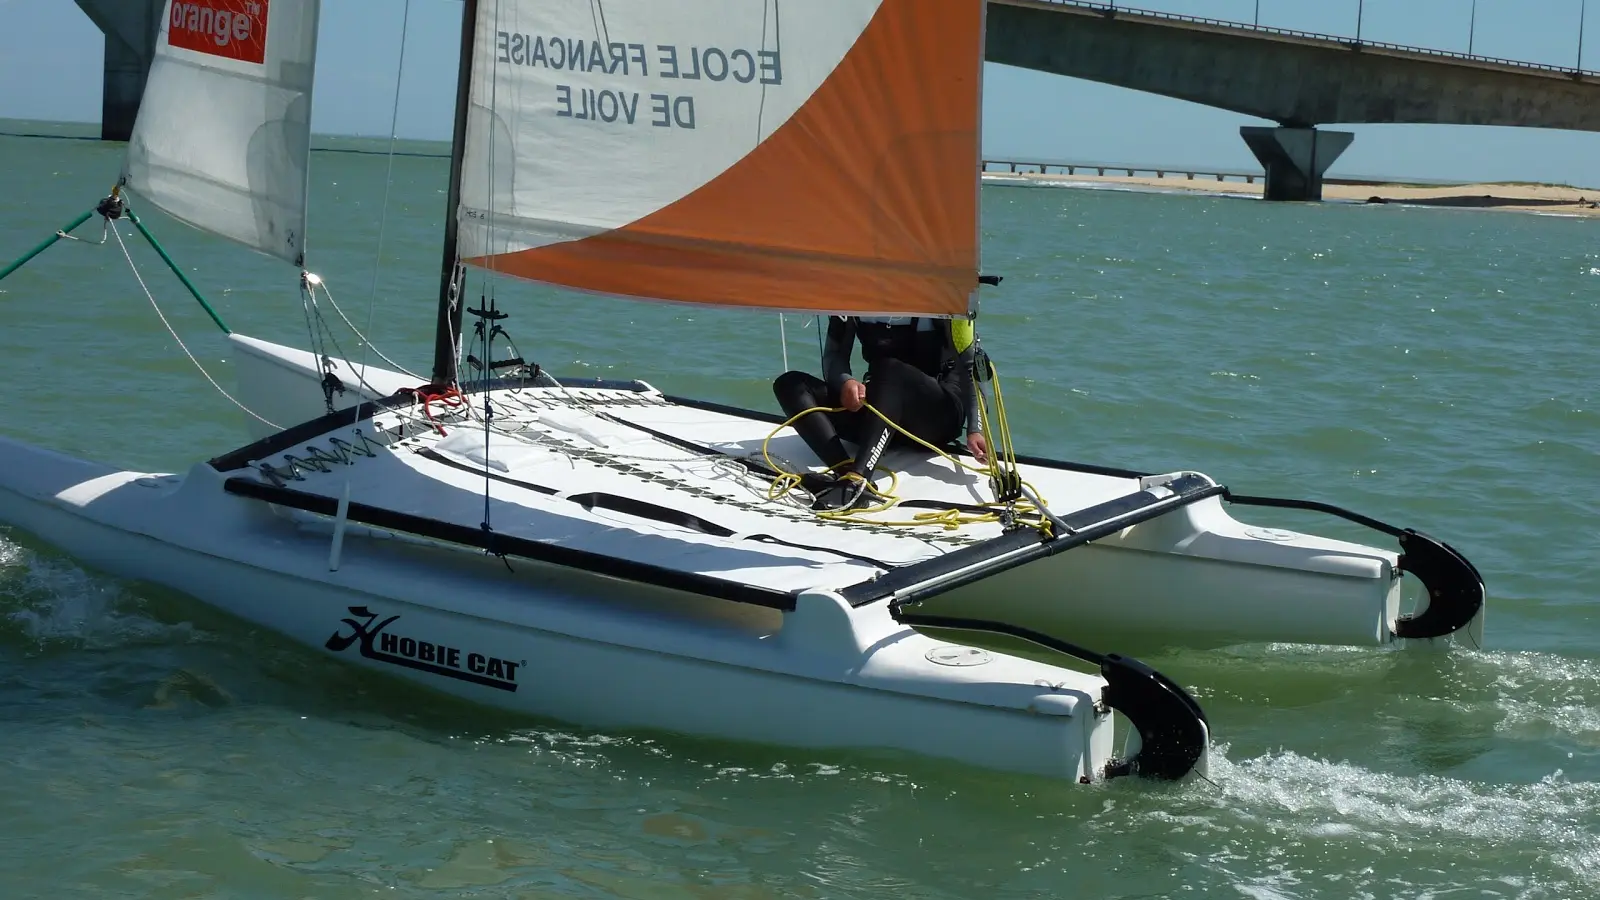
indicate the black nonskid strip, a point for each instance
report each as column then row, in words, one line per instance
column 508, row 545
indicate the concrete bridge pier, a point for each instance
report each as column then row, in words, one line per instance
column 1295, row 158
column 130, row 28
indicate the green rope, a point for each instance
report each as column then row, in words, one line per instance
column 45, row 245
column 177, row 271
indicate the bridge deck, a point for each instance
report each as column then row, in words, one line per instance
column 1178, row 20
column 1292, row 77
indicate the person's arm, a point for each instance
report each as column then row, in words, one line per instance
column 836, row 350
column 969, row 390
column 965, row 339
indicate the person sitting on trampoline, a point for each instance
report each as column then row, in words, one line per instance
column 919, row 374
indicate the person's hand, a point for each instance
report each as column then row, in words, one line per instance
column 853, row 395
column 978, row 446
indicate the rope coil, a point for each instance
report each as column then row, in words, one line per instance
column 1017, row 503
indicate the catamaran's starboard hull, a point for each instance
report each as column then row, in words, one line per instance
column 552, row 642
column 1192, row 577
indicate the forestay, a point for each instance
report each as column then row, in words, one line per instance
column 224, row 128
column 808, row 155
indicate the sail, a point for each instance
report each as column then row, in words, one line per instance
column 224, row 128
column 807, row 155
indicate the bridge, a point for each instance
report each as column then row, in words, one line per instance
column 1298, row 79
column 130, row 28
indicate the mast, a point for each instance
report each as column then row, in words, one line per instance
column 447, row 329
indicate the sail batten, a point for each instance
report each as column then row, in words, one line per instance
column 223, row 136
column 794, row 156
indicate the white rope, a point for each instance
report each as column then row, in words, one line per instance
column 157, row 307
column 308, row 286
column 388, row 182
column 361, row 337
column 104, row 225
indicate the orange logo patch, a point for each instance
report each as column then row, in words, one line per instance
column 232, row 29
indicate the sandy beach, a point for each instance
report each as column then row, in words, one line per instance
column 1515, row 197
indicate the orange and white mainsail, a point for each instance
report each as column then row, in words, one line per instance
column 808, row 155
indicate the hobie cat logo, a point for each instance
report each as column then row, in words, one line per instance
column 234, row 29
column 378, row 643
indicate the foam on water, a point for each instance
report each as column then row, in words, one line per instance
column 1384, row 826
column 1546, row 695
column 47, row 603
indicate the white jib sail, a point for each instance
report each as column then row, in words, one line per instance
column 224, row 128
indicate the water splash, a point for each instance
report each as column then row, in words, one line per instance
column 1293, row 811
column 47, row 604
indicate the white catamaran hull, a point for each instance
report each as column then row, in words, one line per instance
column 1194, row 576
column 552, row 642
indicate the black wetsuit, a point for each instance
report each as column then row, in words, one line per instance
column 915, row 376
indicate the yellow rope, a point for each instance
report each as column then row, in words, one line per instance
column 1002, row 451
column 1002, row 460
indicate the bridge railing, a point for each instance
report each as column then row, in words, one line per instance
column 1030, row 167
column 1112, row 9
column 1024, row 167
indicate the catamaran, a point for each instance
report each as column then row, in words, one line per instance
column 605, row 553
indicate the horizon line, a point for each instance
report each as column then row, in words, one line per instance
column 1205, row 168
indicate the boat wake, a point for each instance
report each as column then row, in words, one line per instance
column 48, row 604
column 1546, row 697
column 1298, row 815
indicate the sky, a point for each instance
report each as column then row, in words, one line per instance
column 50, row 56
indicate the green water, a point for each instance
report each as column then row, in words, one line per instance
column 1433, row 368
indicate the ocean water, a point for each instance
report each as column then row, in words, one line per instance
column 1433, row 368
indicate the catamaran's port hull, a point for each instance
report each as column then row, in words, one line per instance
column 1195, row 577
column 551, row 642
column 1102, row 590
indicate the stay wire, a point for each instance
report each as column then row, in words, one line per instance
column 383, row 215
column 362, row 337
column 181, row 345
column 488, row 410
column 326, row 333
